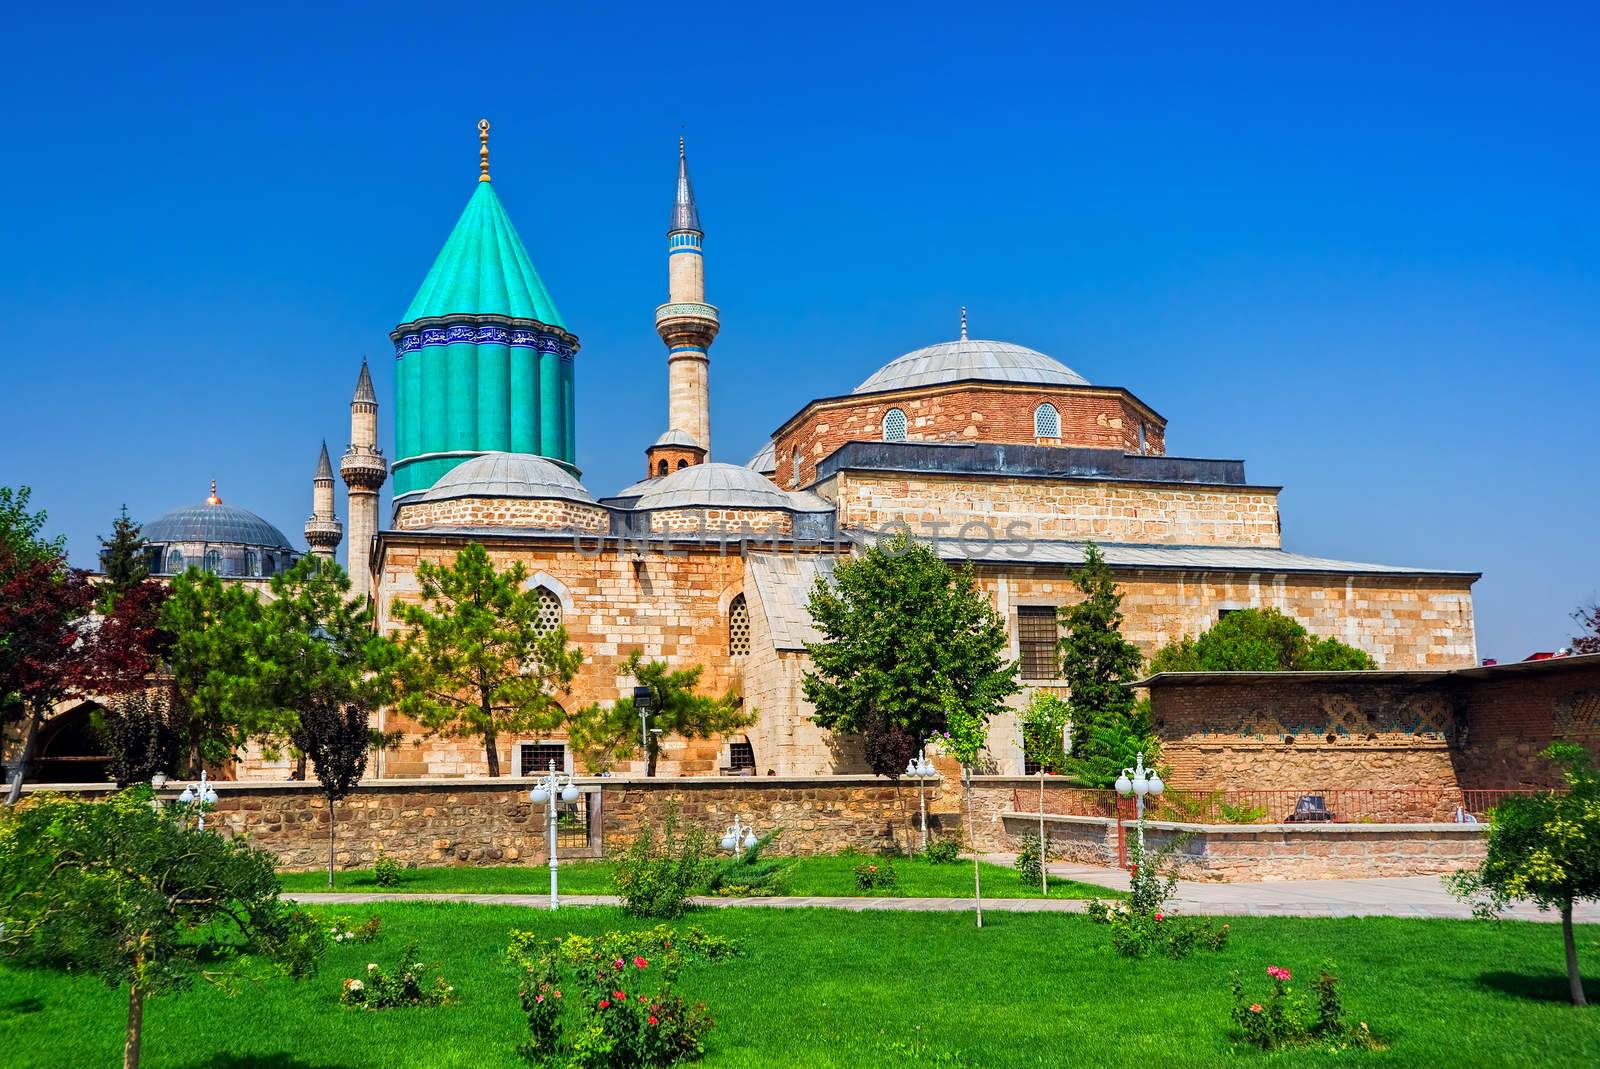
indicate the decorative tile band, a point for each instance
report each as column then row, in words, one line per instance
column 482, row 335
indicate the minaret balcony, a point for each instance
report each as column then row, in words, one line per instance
column 686, row 313
column 320, row 532
column 363, row 468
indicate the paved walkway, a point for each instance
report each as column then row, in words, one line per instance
column 1404, row 896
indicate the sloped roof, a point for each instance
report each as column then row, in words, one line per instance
column 783, row 583
column 484, row 269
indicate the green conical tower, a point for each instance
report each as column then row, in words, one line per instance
column 484, row 362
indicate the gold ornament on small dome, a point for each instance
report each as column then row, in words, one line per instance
column 213, row 499
column 483, row 150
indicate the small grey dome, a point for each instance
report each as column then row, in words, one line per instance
column 766, row 461
column 508, row 475
column 955, row 361
column 683, row 438
column 217, row 523
column 714, row 486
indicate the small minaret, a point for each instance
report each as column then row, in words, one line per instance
column 323, row 530
column 364, row 472
column 688, row 325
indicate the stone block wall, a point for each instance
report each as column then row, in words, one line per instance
column 691, row 521
column 536, row 513
column 1510, row 716
column 1013, row 508
column 1105, row 417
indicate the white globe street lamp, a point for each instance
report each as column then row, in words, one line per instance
column 547, row 791
column 921, row 769
column 202, row 792
column 1140, row 783
column 739, row 836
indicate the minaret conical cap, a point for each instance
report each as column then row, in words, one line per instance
column 364, row 391
column 324, row 465
column 685, row 216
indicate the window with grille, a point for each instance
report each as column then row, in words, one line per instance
column 894, row 425
column 175, row 561
column 1030, row 767
column 1046, row 421
column 1038, row 632
column 213, row 562
column 536, row 757
column 738, row 628
column 549, row 611
column 252, row 563
column 741, row 755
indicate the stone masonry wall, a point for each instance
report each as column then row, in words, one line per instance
column 1511, row 718
column 537, row 513
column 1010, row 508
column 1090, row 416
column 761, row 521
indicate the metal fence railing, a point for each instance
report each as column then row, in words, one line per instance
column 1372, row 805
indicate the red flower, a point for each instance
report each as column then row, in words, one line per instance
column 654, row 1021
column 1255, row 1007
column 619, row 996
column 1160, row 917
column 605, row 1004
column 1278, row 973
column 639, row 963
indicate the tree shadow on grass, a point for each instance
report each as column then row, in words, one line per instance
column 280, row 1060
column 20, row 1006
column 1538, row 987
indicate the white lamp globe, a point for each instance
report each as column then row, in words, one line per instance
column 727, row 841
column 187, row 796
column 209, row 797
column 538, row 795
column 749, row 839
column 1141, row 787
column 569, row 794
column 1156, row 786
column 1124, row 785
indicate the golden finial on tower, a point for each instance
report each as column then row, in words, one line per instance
column 963, row 322
column 483, row 150
column 213, row 499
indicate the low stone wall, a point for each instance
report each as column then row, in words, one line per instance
column 1225, row 853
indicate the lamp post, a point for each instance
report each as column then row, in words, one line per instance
column 920, row 769
column 548, row 790
column 1140, row 782
column 202, row 792
column 643, row 699
column 739, row 836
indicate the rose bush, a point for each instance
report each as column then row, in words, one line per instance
column 1288, row 1019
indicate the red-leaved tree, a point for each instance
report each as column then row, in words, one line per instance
column 1589, row 620
column 126, row 647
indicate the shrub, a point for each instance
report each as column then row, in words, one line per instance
column 386, row 871
column 876, row 875
column 1287, row 1019
column 344, row 930
column 381, row 990
column 1030, row 859
column 945, row 850
column 750, row 872
column 584, row 1004
column 1144, row 925
column 661, row 869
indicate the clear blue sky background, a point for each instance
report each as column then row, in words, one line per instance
column 1358, row 250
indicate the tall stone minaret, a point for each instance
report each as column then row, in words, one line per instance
column 688, row 325
column 323, row 530
column 364, row 472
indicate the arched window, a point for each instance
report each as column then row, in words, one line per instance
column 795, row 457
column 738, row 628
column 252, row 562
column 213, row 562
column 1046, row 421
column 661, row 468
column 549, row 611
column 894, row 425
column 269, row 564
column 175, row 560
column 682, row 464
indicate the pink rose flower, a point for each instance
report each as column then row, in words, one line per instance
column 1255, row 1007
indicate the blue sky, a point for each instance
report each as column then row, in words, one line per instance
column 1357, row 249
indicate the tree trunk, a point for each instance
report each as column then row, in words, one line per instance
column 130, row 1042
column 1574, row 978
column 25, row 758
column 300, row 766
column 1044, row 881
column 330, row 842
column 491, row 752
column 972, row 844
column 650, row 756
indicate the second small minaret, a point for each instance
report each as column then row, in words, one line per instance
column 364, row 471
column 323, row 531
column 688, row 325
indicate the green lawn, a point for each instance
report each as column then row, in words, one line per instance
column 822, row 988
column 810, row 877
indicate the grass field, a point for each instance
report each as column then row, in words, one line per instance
column 810, row 877
column 820, row 988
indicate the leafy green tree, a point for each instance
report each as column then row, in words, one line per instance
column 22, row 531
column 141, row 735
column 219, row 687
column 475, row 660
column 1043, row 721
column 134, row 894
column 1544, row 848
column 336, row 739
column 1259, row 640
column 122, row 560
column 1097, row 663
column 608, row 734
column 908, row 645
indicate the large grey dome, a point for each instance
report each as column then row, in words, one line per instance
column 219, row 523
column 715, row 486
column 507, row 475
column 956, row 361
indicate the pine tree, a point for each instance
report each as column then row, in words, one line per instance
column 605, row 734
column 1096, row 663
column 122, row 560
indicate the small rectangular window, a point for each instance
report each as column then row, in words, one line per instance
column 741, row 755
column 1038, row 633
column 536, row 757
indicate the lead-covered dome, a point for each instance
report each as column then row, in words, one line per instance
column 508, row 475
column 971, row 359
column 218, row 523
column 720, row 486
